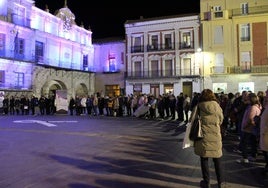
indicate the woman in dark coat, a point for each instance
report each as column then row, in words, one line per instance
column 71, row 106
column 211, row 145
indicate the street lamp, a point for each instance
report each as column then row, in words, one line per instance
column 201, row 66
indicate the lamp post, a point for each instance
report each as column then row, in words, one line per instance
column 201, row 67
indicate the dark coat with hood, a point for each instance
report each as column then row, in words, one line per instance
column 211, row 117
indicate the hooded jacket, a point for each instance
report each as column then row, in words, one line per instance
column 211, row 115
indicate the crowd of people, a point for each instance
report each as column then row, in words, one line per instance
column 237, row 113
column 221, row 114
column 25, row 105
column 163, row 107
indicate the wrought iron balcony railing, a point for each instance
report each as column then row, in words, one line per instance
column 157, row 74
column 239, row 69
column 42, row 61
column 162, row 47
column 249, row 11
column 227, row 14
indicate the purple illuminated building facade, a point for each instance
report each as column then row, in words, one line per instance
column 42, row 52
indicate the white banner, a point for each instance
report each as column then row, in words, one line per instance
column 61, row 102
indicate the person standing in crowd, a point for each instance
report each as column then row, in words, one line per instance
column 264, row 131
column 42, row 104
column 71, row 106
column 227, row 112
column 210, row 146
column 172, row 106
column 34, row 105
column 23, row 104
column 12, row 105
column 105, row 105
column 77, row 102
column 83, row 104
column 194, row 100
column 179, row 107
column 260, row 94
column 134, row 103
column 166, row 105
column 128, row 105
column 249, row 137
column 101, row 105
column 152, row 109
column 239, row 107
column 160, row 107
column 186, row 107
column 115, row 106
column 95, row 104
column 17, row 105
column 6, row 105
column 89, row 104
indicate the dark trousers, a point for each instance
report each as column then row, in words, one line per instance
column 249, row 145
column 205, row 169
column 265, row 154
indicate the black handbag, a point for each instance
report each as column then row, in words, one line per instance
column 196, row 130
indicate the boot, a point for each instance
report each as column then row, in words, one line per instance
column 204, row 184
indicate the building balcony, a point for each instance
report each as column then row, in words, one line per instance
column 62, row 65
column 249, row 11
column 15, row 56
column 162, row 47
column 181, row 73
column 227, row 14
column 40, row 60
column 186, row 46
column 259, row 69
column 8, row 86
column 215, row 15
column 137, row 49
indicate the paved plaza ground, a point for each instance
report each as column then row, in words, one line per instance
column 64, row 151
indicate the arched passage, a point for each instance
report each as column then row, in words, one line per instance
column 81, row 90
column 51, row 86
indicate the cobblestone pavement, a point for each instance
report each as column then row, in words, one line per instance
column 108, row 152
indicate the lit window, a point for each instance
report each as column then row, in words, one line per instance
column 186, row 39
column 244, row 8
column 218, row 36
column 2, row 42
column 85, row 61
column 168, row 43
column 218, row 12
column 154, row 44
column 245, row 32
column 137, row 44
column 19, row 45
column 39, row 51
column 19, row 79
column 2, row 76
column 112, row 63
column 245, row 61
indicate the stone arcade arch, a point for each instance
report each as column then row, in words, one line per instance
column 81, row 90
column 51, row 86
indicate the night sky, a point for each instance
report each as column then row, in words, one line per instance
column 105, row 20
